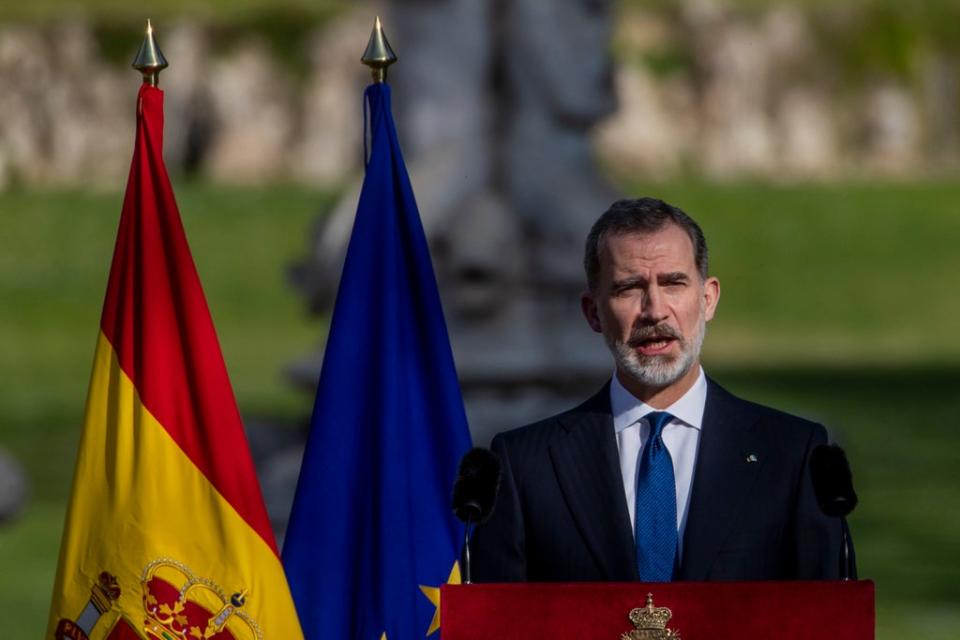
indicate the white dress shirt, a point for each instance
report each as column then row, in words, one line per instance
column 681, row 437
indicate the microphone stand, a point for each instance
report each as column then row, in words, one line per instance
column 467, row 530
column 845, row 564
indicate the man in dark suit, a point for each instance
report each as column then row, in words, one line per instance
column 663, row 474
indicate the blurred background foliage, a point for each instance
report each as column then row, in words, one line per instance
column 283, row 24
column 860, row 38
column 838, row 301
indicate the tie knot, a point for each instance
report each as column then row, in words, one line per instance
column 658, row 420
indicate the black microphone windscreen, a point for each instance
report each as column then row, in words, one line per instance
column 477, row 484
column 832, row 480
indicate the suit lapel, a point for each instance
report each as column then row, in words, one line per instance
column 586, row 463
column 722, row 480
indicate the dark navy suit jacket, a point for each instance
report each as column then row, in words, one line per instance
column 561, row 514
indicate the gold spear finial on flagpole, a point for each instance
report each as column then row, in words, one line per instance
column 378, row 55
column 150, row 61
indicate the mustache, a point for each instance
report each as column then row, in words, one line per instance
column 651, row 332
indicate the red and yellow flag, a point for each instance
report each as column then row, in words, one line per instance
column 166, row 534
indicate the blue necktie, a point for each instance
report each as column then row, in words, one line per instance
column 656, row 513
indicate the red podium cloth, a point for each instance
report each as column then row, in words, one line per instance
column 701, row 610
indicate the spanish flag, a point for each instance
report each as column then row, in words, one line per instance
column 166, row 535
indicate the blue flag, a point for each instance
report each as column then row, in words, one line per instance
column 372, row 535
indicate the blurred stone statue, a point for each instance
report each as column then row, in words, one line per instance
column 495, row 101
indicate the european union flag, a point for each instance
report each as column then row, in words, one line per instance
column 372, row 534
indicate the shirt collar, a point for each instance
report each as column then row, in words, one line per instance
column 627, row 410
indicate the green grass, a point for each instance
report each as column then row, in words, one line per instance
column 837, row 304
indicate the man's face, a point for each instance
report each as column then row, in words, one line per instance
column 651, row 305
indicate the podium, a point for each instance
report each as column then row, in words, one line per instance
column 802, row 610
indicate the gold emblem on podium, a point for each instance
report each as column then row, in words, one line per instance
column 651, row 623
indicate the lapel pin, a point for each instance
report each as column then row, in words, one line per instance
column 752, row 457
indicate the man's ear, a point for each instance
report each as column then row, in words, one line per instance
column 711, row 296
column 589, row 307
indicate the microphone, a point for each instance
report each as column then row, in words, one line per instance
column 832, row 480
column 475, row 494
column 833, row 488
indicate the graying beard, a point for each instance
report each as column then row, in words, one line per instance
column 658, row 371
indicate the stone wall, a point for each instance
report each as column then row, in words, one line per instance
column 786, row 93
column 238, row 116
column 702, row 88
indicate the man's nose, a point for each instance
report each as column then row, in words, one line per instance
column 653, row 306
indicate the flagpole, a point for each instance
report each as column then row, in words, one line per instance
column 378, row 54
column 150, row 61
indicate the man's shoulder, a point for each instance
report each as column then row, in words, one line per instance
column 537, row 435
column 780, row 423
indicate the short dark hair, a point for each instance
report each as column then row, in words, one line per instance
column 640, row 215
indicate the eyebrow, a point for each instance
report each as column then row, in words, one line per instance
column 627, row 283
column 673, row 277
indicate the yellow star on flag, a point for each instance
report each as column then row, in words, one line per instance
column 433, row 594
